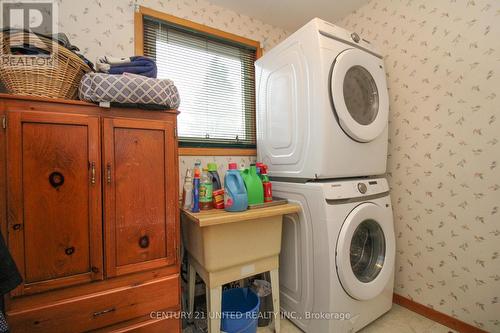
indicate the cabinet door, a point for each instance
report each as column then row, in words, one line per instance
column 54, row 199
column 141, row 196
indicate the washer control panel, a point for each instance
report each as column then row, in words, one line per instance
column 349, row 189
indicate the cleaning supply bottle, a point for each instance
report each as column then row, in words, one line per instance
column 206, row 190
column 214, row 175
column 218, row 198
column 263, row 173
column 187, row 190
column 197, row 166
column 196, row 191
column 235, row 194
column 258, row 166
column 218, row 191
column 266, row 184
column 253, row 185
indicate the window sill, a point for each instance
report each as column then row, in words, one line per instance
column 186, row 151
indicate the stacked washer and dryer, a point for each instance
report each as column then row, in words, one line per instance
column 322, row 118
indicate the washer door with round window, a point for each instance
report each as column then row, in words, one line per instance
column 358, row 90
column 366, row 251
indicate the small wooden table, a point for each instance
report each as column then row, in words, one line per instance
column 224, row 247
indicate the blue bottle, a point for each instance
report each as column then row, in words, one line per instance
column 235, row 194
column 196, row 191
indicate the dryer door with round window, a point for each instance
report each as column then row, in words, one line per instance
column 366, row 251
column 358, row 91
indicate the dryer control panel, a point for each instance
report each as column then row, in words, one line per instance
column 349, row 189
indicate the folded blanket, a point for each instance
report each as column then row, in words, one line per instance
column 136, row 65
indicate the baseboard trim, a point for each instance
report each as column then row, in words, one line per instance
column 436, row 316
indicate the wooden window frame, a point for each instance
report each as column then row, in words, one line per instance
column 139, row 50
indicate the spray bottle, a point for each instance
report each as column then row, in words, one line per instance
column 187, row 192
column 196, row 191
column 266, row 184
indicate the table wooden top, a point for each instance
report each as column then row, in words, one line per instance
column 219, row 216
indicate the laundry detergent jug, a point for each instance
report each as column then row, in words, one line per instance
column 235, row 194
column 253, row 184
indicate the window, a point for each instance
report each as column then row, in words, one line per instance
column 216, row 81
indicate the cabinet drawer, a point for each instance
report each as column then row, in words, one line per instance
column 144, row 325
column 101, row 309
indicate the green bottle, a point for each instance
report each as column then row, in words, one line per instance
column 206, row 190
column 253, row 183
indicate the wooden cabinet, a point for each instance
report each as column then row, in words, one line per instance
column 140, row 200
column 55, row 226
column 92, row 217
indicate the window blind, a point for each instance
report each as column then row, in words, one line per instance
column 216, row 82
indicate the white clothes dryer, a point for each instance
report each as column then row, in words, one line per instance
column 322, row 105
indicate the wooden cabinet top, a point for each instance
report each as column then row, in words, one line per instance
column 219, row 216
column 27, row 103
column 44, row 99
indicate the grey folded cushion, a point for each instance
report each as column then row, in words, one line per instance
column 128, row 88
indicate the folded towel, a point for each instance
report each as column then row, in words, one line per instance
column 146, row 70
column 137, row 65
column 113, row 60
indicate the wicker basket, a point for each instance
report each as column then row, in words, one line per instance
column 60, row 80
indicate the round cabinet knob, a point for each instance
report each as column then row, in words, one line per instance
column 56, row 179
column 70, row 250
column 144, row 242
column 362, row 188
column 355, row 37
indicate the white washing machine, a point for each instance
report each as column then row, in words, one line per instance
column 337, row 257
column 322, row 105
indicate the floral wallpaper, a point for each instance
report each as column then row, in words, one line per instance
column 443, row 63
column 106, row 27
